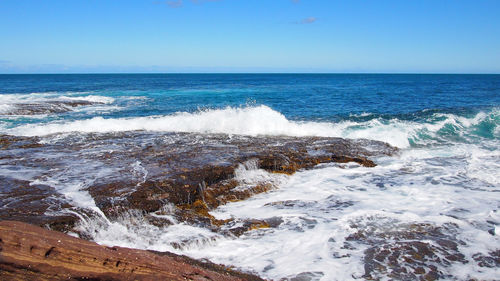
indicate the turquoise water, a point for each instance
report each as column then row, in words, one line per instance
column 422, row 99
column 299, row 97
column 445, row 180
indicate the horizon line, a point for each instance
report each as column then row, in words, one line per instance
column 207, row 73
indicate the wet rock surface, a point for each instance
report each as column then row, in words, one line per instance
column 32, row 203
column 417, row 251
column 47, row 107
column 173, row 178
column 491, row 260
column 58, row 176
column 28, row 252
column 61, row 181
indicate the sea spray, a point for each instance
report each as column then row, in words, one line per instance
column 264, row 121
column 428, row 211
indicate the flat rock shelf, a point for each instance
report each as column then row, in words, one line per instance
column 144, row 171
column 58, row 181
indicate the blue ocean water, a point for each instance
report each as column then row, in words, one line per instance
column 297, row 96
column 447, row 174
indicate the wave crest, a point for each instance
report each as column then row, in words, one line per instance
column 262, row 120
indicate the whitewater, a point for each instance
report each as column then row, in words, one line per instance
column 334, row 222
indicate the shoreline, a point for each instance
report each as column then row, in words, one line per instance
column 34, row 253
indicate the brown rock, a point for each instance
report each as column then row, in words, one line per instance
column 419, row 270
column 146, row 171
column 29, row 252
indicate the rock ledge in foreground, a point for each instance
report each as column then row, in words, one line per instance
column 29, row 252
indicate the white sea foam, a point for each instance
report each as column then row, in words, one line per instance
column 444, row 183
column 6, row 108
column 132, row 230
column 97, row 109
column 320, row 208
column 255, row 121
column 139, row 172
column 483, row 164
column 73, row 187
column 33, row 97
column 260, row 120
column 249, row 174
column 90, row 98
column 437, row 185
column 8, row 102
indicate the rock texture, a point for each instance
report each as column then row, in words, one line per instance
column 61, row 181
column 414, row 251
column 145, row 171
column 47, row 107
column 29, row 252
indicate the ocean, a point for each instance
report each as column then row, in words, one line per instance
column 430, row 210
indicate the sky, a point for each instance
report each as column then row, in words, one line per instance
column 346, row 36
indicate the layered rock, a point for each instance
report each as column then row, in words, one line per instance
column 29, row 252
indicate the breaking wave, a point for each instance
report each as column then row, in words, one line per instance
column 47, row 103
column 264, row 121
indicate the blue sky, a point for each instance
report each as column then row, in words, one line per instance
column 423, row 36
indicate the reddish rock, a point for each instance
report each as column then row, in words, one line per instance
column 29, row 252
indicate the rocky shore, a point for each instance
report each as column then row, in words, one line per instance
column 47, row 107
column 57, row 181
column 29, row 252
column 144, row 171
